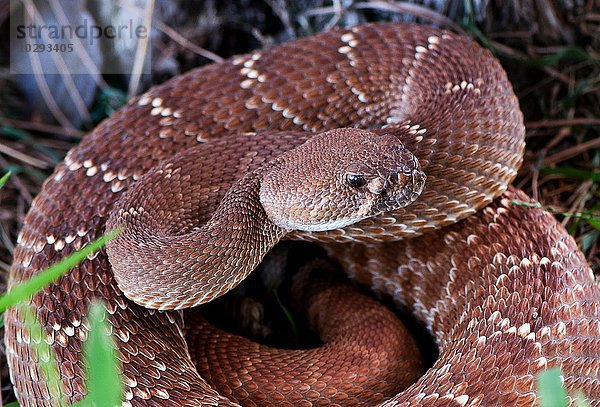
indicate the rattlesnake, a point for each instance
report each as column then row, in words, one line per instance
column 505, row 293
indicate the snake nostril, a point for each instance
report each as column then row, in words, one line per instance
column 418, row 178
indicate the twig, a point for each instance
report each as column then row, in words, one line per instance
column 175, row 36
column 6, row 240
column 80, row 49
column 562, row 133
column 581, row 195
column 279, row 8
column 573, row 68
column 510, row 52
column 337, row 15
column 577, row 121
column 38, row 74
column 4, row 268
column 16, row 180
column 59, row 62
column 393, row 6
column 414, row 9
column 571, row 152
column 43, row 127
column 17, row 155
column 141, row 52
column 185, row 43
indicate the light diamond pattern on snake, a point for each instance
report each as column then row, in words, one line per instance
column 391, row 146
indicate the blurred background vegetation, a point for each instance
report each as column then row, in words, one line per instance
column 550, row 49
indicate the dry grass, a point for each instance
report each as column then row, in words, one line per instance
column 557, row 80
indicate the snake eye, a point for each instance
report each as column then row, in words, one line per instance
column 355, row 180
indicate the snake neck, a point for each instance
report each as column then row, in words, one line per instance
column 171, row 254
column 191, row 233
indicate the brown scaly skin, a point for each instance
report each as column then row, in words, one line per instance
column 516, row 297
column 180, row 248
column 376, row 357
column 447, row 100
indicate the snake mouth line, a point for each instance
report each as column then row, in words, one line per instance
column 407, row 195
column 331, row 225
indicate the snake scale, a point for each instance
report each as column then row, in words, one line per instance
column 502, row 289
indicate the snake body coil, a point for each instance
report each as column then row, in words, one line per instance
column 505, row 293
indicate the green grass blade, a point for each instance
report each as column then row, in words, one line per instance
column 580, row 215
column 104, row 384
column 5, row 178
column 566, row 55
column 580, row 400
column 595, row 223
column 551, row 389
column 46, row 359
column 577, row 173
column 589, row 239
column 26, row 289
column 287, row 313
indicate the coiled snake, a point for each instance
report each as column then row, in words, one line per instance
column 505, row 292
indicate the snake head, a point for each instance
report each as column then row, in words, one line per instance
column 338, row 178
